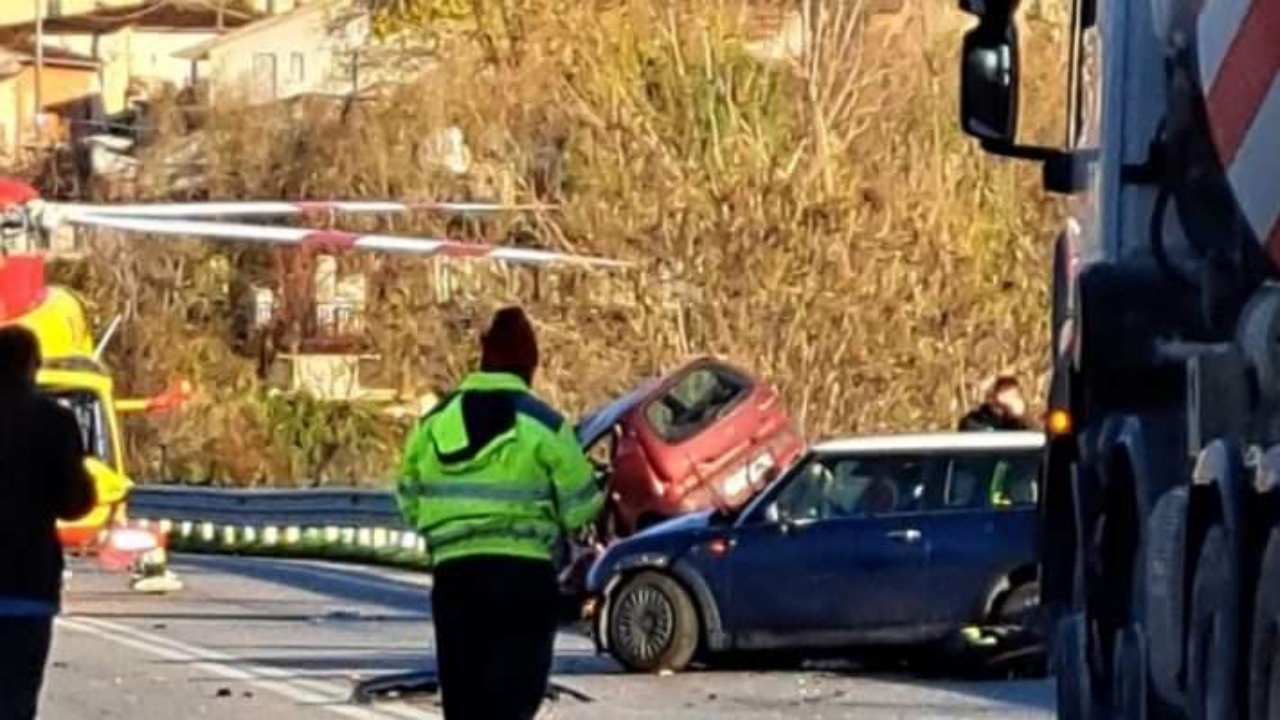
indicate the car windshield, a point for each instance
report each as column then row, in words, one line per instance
column 91, row 417
column 835, row 487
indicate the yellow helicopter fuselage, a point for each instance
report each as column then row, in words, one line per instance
column 72, row 375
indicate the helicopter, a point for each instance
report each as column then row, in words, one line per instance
column 74, row 374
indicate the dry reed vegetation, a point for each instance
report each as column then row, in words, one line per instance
column 823, row 223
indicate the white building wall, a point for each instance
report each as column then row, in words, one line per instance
column 132, row 53
column 296, row 56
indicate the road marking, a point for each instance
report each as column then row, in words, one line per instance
column 275, row 680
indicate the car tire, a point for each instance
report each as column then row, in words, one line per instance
column 1213, row 640
column 1264, row 652
column 1019, row 605
column 653, row 625
column 1022, row 653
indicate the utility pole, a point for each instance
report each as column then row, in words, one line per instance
column 39, row 66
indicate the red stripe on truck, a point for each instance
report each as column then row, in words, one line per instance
column 1273, row 244
column 1251, row 65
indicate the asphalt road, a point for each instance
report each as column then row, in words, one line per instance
column 286, row 640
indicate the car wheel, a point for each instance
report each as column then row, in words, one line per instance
column 1214, row 637
column 1018, row 607
column 653, row 624
column 1264, row 663
column 1021, row 650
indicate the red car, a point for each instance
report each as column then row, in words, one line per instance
column 708, row 435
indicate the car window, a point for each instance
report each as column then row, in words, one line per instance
column 1016, row 481
column 830, row 488
column 695, row 402
column 601, row 452
column 991, row 480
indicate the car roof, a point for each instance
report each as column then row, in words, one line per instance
column 933, row 442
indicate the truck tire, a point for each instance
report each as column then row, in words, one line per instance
column 1164, row 613
column 653, row 624
column 1070, row 663
column 1129, row 679
column 1264, row 653
column 1213, row 640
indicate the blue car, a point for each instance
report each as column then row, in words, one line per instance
column 894, row 540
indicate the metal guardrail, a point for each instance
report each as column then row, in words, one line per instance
column 350, row 508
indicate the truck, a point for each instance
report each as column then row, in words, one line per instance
column 1160, row 560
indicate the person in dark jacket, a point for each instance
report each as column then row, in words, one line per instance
column 1005, row 408
column 42, row 480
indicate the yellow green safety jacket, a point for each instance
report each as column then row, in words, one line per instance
column 492, row 470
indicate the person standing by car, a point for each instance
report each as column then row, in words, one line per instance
column 1005, row 408
column 42, row 480
column 495, row 479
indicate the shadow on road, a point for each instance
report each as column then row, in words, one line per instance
column 358, row 586
column 351, row 584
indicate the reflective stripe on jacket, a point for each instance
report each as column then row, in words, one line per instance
column 493, row 470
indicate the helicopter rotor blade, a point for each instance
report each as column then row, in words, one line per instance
column 338, row 240
column 286, row 208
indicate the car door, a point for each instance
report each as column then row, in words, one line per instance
column 836, row 554
column 981, row 523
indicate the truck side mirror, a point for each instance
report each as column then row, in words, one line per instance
column 990, row 8
column 989, row 82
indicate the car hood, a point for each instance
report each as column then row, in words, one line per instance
column 597, row 422
column 683, row 523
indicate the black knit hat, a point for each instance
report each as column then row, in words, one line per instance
column 510, row 345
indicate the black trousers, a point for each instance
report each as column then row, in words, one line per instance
column 24, row 649
column 495, row 623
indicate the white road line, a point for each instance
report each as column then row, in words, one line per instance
column 275, row 680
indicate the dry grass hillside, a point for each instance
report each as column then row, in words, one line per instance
column 822, row 222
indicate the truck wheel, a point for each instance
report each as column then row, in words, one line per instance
column 1214, row 637
column 1163, row 615
column 1264, row 662
column 1129, row 676
column 653, row 625
column 1070, row 663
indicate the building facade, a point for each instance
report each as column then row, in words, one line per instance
column 307, row 51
